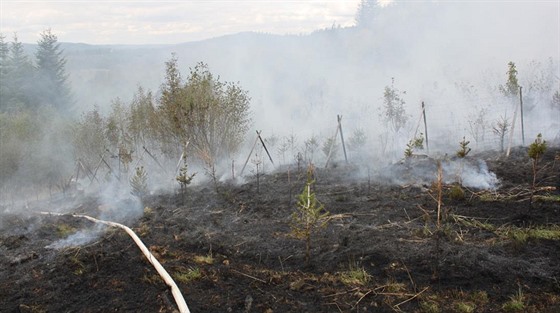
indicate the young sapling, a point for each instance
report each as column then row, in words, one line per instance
column 310, row 215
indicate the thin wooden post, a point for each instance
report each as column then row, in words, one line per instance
column 425, row 127
column 264, row 146
column 249, row 156
column 331, row 147
column 183, row 155
column 339, row 118
column 153, row 158
column 521, row 107
column 511, row 131
column 110, row 169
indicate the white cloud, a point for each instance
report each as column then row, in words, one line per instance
column 132, row 22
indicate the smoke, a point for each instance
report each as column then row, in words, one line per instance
column 116, row 205
column 469, row 172
column 450, row 55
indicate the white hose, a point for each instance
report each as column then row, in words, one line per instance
column 159, row 268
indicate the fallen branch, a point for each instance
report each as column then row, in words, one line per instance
column 411, row 298
column 249, row 276
column 159, row 268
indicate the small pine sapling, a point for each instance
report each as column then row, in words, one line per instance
column 310, row 215
column 462, row 153
column 184, row 179
column 463, row 148
column 501, row 128
column 416, row 143
column 139, row 183
column 311, row 145
column 536, row 151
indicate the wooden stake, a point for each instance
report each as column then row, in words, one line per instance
column 153, row 157
column 249, row 156
column 339, row 118
column 521, row 106
column 331, row 147
column 264, row 146
column 511, row 131
column 425, row 128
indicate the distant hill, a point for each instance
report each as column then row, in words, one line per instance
column 432, row 51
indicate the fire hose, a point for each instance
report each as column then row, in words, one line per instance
column 159, row 268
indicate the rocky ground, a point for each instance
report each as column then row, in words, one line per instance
column 232, row 249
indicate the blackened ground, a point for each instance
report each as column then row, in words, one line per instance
column 475, row 258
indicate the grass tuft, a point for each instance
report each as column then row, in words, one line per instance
column 188, row 275
column 516, row 302
column 355, row 276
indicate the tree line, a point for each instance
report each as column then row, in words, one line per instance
column 33, row 84
column 42, row 145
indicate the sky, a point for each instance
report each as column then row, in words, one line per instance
column 167, row 22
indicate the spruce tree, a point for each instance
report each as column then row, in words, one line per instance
column 51, row 77
column 17, row 73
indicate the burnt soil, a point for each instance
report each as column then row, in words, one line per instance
column 475, row 258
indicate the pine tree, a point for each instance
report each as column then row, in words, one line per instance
column 4, row 63
column 365, row 15
column 511, row 89
column 51, row 76
column 310, row 215
column 16, row 78
column 139, row 183
column 535, row 152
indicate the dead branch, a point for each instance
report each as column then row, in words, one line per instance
column 249, row 276
column 411, row 298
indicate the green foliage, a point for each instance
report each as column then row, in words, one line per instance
column 355, row 275
column 184, row 179
column 212, row 115
column 64, row 230
column 16, row 77
column 357, row 140
column 535, row 152
column 511, row 88
column 310, row 215
column 516, row 302
column 393, row 112
column 188, row 275
column 429, row 307
column 416, row 143
column 456, row 192
column 139, row 182
column 464, row 307
column 24, row 86
column 537, row 148
column 88, row 138
column 463, row 148
column 51, row 77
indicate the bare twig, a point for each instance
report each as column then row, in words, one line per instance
column 362, row 297
column 412, row 298
column 249, row 276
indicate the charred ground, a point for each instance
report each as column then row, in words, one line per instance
column 230, row 249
